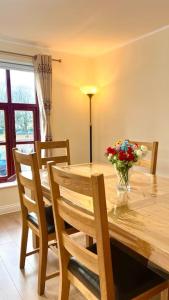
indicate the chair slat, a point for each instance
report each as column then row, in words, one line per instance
column 78, row 219
column 84, row 256
column 52, row 145
column 30, row 204
column 48, row 147
column 73, row 182
column 26, row 182
column 23, row 159
column 57, row 160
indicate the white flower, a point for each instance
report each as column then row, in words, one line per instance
column 109, row 156
column 139, row 153
column 144, row 148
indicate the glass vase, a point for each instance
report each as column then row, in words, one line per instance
column 123, row 179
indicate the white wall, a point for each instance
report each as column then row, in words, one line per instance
column 9, row 200
column 70, row 110
column 133, row 101
column 69, row 107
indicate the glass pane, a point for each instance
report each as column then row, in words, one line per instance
column 25, row 148
column 2, row 126
column 24, row 125
column 3, row 162
column 22, row 87
column 3, row 91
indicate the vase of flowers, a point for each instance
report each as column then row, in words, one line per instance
column 124, row 155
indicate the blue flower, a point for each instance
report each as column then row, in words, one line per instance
column 124, row 146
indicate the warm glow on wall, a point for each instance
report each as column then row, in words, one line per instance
column 89, row 90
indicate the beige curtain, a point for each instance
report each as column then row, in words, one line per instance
column 43, row 81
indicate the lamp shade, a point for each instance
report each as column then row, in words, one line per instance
column 89, row 90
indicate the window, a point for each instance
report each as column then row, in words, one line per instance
column 19, row 116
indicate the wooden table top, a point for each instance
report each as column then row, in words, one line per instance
column 138, row 218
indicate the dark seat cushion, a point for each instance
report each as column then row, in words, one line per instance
column 32, row 217
column 131, row 276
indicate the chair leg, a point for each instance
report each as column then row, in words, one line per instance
column 35, row 241
column 64, row 287
column 43, row 253
column 89, row 241
column 24, row 239
column 164, row 295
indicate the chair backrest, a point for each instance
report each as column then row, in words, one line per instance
column 94, row 225
column 149, row 164
column 48, row 147
column 29, row 186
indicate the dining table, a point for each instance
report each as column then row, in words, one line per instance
column 138, row 218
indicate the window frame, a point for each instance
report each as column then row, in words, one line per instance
column 9, row 109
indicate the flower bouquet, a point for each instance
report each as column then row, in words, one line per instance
column 124, row 155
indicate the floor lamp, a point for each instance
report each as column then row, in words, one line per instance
column 90, row 91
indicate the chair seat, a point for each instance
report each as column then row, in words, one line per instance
column 32, row 217
column 131, row 277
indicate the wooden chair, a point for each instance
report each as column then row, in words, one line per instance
column 35, row 215
column 48, row 146
column 150, row 164
column 40, row 146
column 92, row 270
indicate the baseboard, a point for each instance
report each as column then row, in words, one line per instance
column 6, row 209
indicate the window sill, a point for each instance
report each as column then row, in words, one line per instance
column 5, row 185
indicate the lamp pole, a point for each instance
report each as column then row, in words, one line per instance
column 90, row 91
column 90, row 125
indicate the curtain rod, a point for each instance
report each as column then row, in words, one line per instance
column 25, row 55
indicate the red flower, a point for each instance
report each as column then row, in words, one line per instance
column 111, row 151
column 130, row 157
column 130, row 150
column 122, row 155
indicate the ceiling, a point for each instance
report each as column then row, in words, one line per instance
column 89, row 27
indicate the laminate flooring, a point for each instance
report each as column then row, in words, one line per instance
column 16, row 284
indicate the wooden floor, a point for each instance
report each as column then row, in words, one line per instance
column 16, row 284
